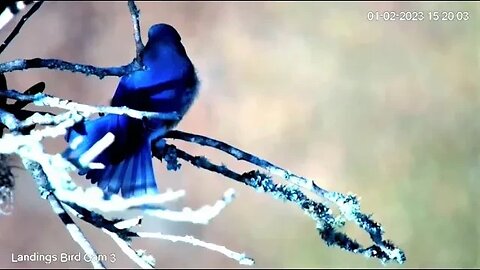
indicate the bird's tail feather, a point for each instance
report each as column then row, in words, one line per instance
column 133, row 176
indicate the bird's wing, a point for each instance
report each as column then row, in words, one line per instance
column 148, row 97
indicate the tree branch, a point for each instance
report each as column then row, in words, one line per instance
column 326, row 224
column 119, row 235
column 240, row 257
column 135, row 14
column 19, row 26
column 61, row 65
column 202, row 215
column 41, row 99
column 242, row 155
column 75, row 232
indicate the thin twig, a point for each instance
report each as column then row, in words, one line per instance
column 99, row 221
column 240, row 257
column 135, row 15
column 129, row 251
column 45, row 119
column 19, row 26
column 57, row 64
column 111, row 229
column 202, row 215
column 242, row 155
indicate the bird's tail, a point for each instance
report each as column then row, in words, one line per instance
column 133, row 176
column 128, row 161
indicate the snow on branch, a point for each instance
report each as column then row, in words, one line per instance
column 56, row 183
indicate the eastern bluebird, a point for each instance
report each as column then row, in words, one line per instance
column 167, row 84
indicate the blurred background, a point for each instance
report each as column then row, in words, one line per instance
column 386, row 110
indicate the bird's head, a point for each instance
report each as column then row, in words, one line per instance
column 163, row 32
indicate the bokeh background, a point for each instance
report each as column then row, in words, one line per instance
column 387, row 110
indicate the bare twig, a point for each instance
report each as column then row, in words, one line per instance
column 240, row 257
column 111, row 228
column 199, row 216
column 44, row 119
column 135, row 14
column 130, row 252
column 242, row 155
column 19, row 26
column 42, row 99
column 61, row 65
column 327, row 225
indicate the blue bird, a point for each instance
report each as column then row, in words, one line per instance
column 167, row 84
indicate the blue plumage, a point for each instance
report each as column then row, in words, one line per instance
column 168, row 84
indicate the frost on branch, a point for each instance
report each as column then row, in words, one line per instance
column 26, row 131
column 51, row 173
column 6, row 185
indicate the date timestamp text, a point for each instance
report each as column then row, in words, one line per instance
column 418, row 16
